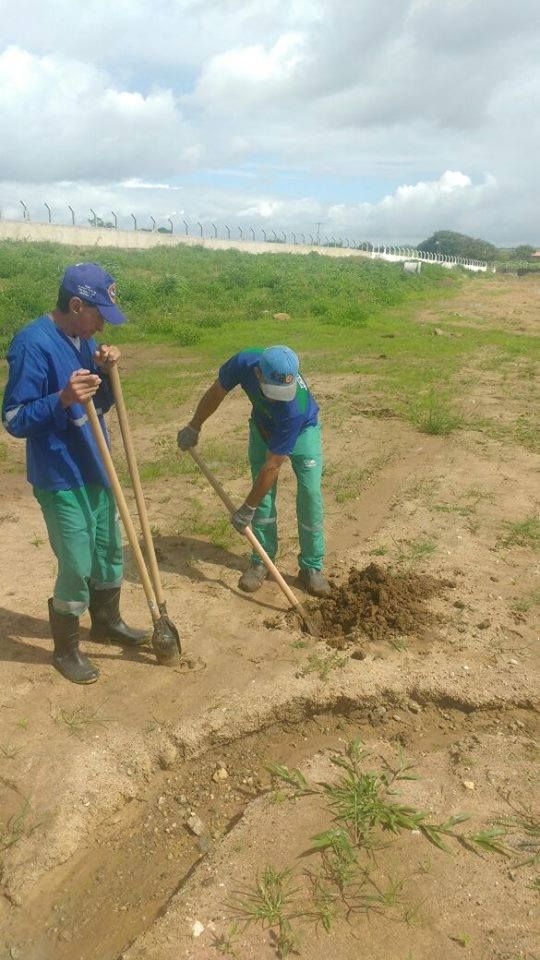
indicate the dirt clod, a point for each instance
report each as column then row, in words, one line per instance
column 374, row 603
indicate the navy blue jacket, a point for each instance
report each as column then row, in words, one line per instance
column 61, row 452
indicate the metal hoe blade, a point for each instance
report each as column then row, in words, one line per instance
column 166, row 639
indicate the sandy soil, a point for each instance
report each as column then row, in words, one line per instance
column 98, row 785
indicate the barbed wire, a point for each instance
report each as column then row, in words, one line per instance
column 383, row 250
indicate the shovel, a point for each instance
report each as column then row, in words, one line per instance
column 165, row 638
column 248, row 533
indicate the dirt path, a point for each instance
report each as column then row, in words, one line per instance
column 98, row 785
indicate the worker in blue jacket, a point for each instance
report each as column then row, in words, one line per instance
column 284, row 425
column 55, row 365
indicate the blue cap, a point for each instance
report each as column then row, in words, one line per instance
column 279, row 368
column 92, row 283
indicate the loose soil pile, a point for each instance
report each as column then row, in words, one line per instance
column 375, row 603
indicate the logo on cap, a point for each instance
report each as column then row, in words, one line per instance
column 111, row 290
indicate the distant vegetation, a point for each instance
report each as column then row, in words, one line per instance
column 460, row 245
column 188, row 295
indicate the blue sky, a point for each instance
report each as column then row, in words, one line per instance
column 382, row 121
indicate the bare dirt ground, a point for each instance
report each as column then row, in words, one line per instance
column 134, row 810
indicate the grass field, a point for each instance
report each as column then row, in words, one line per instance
column 196, row 307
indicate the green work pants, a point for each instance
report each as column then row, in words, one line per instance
column 307, row 463
column 84, row 533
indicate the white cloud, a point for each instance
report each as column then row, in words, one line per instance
column 134, row 99
column 65, row 118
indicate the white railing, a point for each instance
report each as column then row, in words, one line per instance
column 396, row 254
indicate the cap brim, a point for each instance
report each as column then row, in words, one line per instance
column 279, row 391
column 111, row 313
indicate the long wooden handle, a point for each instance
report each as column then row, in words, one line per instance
column 131, row 458
column 122, row 506
column 270, row 566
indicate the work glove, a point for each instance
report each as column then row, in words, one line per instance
column 242, row 517
column 187, row 437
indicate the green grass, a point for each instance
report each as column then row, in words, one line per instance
column 522, row 533
column 342, row 873
column 194, row 307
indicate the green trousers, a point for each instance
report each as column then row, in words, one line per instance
column 84, row 533
column 307, row 463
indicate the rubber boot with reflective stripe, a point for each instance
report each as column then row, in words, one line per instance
column 107, row 624
column 67, row 658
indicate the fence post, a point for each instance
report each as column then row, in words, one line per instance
column 48, row 211
column 72, row 215
column 134, row 221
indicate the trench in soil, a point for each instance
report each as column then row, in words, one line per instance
column 123, row 877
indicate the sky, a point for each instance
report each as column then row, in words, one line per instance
column 382, row 120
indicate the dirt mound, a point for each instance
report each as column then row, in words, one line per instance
column 375, row 603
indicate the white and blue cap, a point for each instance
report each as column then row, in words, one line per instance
column 279, row 373
column 93, row 284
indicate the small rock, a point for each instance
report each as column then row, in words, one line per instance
column 396, row 717
column 220, row 774
column 358, row 654
column 484, row 624
column 197, row 929
column 196, row 825
column 167, row 756
column 414, row 707
column 468, row 784
column 380, row 712
column 515, row 663
column 459, row 604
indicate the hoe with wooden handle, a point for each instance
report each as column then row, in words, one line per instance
column 165, row 639
column 248, row 533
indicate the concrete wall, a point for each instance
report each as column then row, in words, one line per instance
column 142, row 240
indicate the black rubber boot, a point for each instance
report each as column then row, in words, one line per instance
column 67, row 658
column 253, row 578
column 107, row 624
column 315, row 582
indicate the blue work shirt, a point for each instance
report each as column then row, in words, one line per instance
column 61, row 452
column 280, row 422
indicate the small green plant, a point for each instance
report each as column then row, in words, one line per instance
column 323, row 665
column 224, row 942
column 37, row 541
column 522, row 533
column 411, row 552
column 13, row 830
column 346, row 486
column 9, row 751
column 525, row 603
column 366, row 816
column 80, row 719
column 436, row 415
column 462, row 938
column 273, row 903
column 22, row 722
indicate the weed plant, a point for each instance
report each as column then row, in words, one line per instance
column 344, row 877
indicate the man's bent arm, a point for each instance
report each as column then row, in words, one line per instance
column 265, row 479
column 208, row 405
